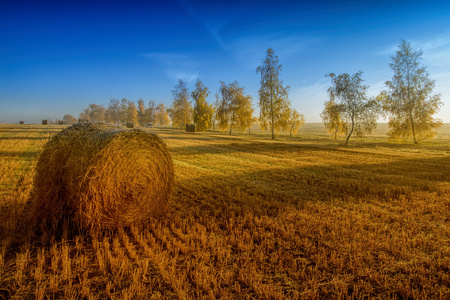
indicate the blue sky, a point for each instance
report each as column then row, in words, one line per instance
column 56, row 58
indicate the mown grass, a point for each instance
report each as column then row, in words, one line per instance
column 298, row 218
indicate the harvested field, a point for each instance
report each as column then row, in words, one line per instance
column 297, row 218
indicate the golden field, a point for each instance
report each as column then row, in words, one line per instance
column 300, row 217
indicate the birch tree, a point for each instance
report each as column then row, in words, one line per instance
column 331, row 118
column 273, row 96
column 181, row 109
column 352, row 105
column 234, row 108
column 203, row 112
column 409, row 102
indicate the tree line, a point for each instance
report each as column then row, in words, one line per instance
column 408, row 103
column 232, row 110
column 123, row 111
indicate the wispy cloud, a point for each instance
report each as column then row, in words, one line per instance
column 176, row 66
column 250, row 50
column 436, row 50
column 247, row 47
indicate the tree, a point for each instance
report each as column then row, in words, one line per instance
column 69, row 119
column 94, row 113
column 112, row 112
column 296, row 121
column 408, row 101
column 162, row 115
column 233, row 107
column 181, row 109
column 132, row 113
column 332, row 120
column 273, row 97
column 150, row 112
column 203, row 112
column 123, row 111
column 142, row 117
column 354, row 108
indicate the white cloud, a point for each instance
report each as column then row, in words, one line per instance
column 176, row 66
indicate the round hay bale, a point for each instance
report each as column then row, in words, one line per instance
column 130, row 124
column 190, row 127
column 99, row 176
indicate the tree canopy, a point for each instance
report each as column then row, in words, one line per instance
column 203, row 112
column 234, row 108
column 408, row 101
column 273, row 96
column 181, row 109
column 351, row 105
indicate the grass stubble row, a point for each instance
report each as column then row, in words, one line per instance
column 252, row 218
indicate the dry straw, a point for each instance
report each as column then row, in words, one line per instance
column 98, row 176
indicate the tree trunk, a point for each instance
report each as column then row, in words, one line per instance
column 231, row 123
column 351, row 131
column 412, row 127
column 273, row 132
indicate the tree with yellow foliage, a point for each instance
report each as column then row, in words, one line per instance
column 352, row 105
column 332, row 120
column 181, row 109
column 162, row 115
column 132, row 113
column 274, row 104
column 234, row 108
column 409, row 102
column 203, row 112
column 296, row 121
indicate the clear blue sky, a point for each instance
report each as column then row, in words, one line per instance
column 57, row 57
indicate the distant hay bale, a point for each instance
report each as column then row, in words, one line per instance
column 190, row 127
column 21, row 122
column 60, row 122
column 98, row 176
column 130, row 125
column 44, row 122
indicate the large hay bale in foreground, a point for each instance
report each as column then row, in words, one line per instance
column 99, row 176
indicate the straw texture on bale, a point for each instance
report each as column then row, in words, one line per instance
column 99, row 176
column 190, row 127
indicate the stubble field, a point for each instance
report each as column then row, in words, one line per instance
column 296, row 218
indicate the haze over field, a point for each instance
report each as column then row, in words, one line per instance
column 56, row 58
